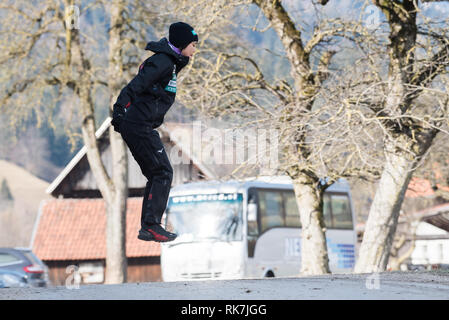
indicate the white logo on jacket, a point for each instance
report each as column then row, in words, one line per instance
column 171, row 87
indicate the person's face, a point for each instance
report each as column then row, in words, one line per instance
column 189, row 50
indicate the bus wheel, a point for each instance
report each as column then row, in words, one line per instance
column 269, row 274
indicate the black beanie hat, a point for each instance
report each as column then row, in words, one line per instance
column 181, row 35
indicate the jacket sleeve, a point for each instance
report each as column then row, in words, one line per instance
column 150, row 72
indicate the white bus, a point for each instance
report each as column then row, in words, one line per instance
column 249, row 229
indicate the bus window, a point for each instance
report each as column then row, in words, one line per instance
column 292, row 218
column 270, row 206
column 341, row 212
column 253, row 229
column 327, row 211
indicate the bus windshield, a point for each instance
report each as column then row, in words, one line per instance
column 206, row 217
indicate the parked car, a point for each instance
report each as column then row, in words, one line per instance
column 12, row 279
column 23, row 264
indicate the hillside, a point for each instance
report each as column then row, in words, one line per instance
column 17, row 217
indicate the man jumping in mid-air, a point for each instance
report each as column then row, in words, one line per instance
column 140, row 108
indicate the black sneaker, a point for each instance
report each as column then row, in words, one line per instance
column 156, row 233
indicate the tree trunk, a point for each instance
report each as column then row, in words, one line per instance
column 314, row 258
column 290, row 37
column 114, row 193
column 116, row 261
column 411, row 141
column 384, row 212
column 309, row 199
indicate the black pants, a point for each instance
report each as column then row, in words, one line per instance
column 146, row 147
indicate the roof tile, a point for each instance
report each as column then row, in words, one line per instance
column 75, row 229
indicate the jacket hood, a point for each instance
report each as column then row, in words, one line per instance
column 162, row 46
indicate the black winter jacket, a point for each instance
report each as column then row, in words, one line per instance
column 150, row 94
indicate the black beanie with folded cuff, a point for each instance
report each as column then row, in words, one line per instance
column 181, row 35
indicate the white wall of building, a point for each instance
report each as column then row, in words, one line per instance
column 430, row 251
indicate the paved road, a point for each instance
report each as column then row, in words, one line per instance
column 401, row 285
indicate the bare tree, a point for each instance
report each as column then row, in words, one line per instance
column 409, row 131
column 69, row 66
column 305, row 116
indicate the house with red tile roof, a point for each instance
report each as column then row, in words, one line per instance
column 72, row 232
column 419, row 187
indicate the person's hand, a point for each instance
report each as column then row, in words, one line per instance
column 157, row 123
column 116, row 121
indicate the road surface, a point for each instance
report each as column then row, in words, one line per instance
column 381, row 286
